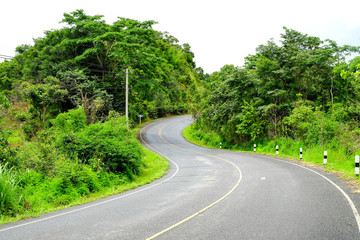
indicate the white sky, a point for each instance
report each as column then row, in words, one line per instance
column 219, row 32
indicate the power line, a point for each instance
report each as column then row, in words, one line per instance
column 46, row 63
column 6, row 56
column 103, row 85
column 63, row 65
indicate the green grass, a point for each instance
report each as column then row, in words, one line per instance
column 209, row 139
column 155, row 167
column 337, row 161
column 10, row 199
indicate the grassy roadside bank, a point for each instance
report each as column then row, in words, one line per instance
column 154, row 167
column 337, row 160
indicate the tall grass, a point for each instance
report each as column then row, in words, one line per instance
column 44, row 194
column 11, row 200
column 338, row 159
column 201, row 138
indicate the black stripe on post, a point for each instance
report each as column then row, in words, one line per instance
column 325, row 157
column 357, row 165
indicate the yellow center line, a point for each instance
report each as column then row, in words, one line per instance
column 207, row 207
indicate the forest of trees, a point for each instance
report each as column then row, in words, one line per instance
column 63, row 134
column 84, row 64
column 304, row 88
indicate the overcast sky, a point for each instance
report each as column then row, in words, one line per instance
column 219, row 32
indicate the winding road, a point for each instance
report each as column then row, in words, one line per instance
column 209, row 194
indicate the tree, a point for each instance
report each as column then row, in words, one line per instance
column 156, row 62
column 275, row 76
column 224, row 99
column 251, row 126
column 43, row 95
column 85, row 92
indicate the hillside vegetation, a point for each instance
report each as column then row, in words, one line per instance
column 63, row 135
column 300, row 93
column 64, row 138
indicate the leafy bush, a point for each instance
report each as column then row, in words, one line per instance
column 68, row 161
column 105, row 146
column 71, row 121
column 109, row 143
column 7, row 153
column 76, row 175
column 4, row 101
column 38, row 156
column 69, row 183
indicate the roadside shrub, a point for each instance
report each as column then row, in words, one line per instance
column 30, row 129
column 31, row 178
column 69, row 182
column 107, row 146
column 71, row 121
column 79, row 176
column 38, row 156
column 111, row 179
column 7, row 153
column 68, row 161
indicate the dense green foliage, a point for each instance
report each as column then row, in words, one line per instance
column 302, row 89
column 62, row 100
column 83, row 64
column 10, row 198
column 70, row 160
column 62, row 132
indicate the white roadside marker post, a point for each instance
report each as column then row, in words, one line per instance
column 254, row 148
column 325, row 157
column 220, row 145
column 357, row 165
column 300, row 153
column 277, row 149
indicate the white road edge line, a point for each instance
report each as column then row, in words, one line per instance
column 207, row 207
column 352, row 205
column 107, row 201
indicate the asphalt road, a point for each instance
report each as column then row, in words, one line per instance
column 209, row 194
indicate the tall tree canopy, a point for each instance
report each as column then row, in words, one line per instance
column 301, row 75
column 162, row 72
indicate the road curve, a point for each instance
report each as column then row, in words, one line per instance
column 209, row 194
